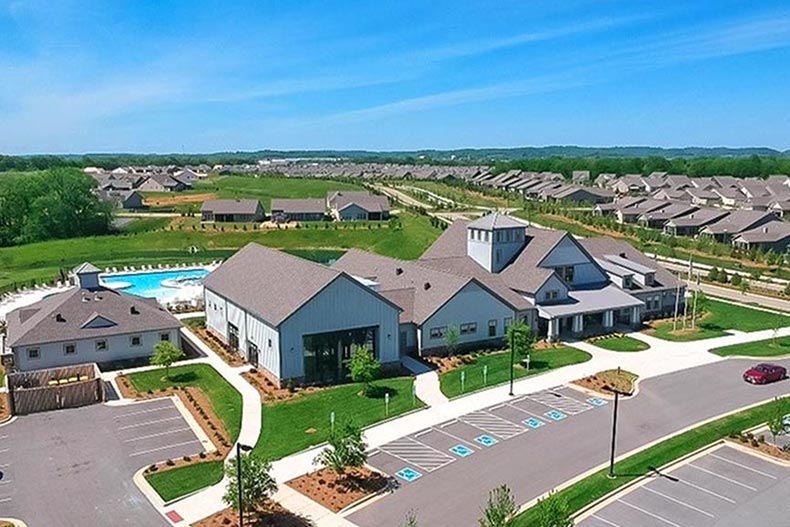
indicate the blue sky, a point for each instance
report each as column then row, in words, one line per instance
column 201, row 76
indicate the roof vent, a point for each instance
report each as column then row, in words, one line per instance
column 765, row 229
column 85, row 299
column 134, row 311
column 426, row 285
column 59, row 318
column 398, row 271
column 623, row 255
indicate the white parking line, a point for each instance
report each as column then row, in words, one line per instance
column 725, row 478
column 448, row 434
column 525, row 411
column 163, row 448
column 730, row 461
column 4, row 500
column 604, row 520
column 3, row 450
column 679, row 502
column 149, row 436
column 168, row 407
column 651, row 514
column 426, row 431
column 148, row 423
column 706, row 491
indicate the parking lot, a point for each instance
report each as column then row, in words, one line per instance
column 724, row 487
column 75, row 467
column 427, row 451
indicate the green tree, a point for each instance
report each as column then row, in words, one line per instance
column 364, row 368
column 776, row 422
column 713, row 274
column 165, row 354
column 553, row 511
column 736, row 279
column 345, row 449
column 451, row 339
column 500, row 508
column 521, row 339
column 257, row 483
column 411, row 520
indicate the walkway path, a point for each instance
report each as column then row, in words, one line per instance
column 426, row 382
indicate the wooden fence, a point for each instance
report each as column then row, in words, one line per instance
column 55, row 388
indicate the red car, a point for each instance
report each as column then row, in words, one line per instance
column 765, row 373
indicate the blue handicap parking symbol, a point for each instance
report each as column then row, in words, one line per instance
column 486, row 440
column 408, row 474
column 533, row 422
column 555, row 415
column 595, row 401
column 461, row 450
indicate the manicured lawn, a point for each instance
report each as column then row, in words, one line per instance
column 594, row 487
column 224, row 398
column 461, row 195
column 499, row 372
column 720, row 317
column 295, row 425
column 760, row 348
column 622, row 343
column 42, row 261
column 178, row 482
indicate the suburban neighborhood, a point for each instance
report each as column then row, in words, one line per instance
column 394, row 264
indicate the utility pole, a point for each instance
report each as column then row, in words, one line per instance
column 677, row 304
column 694, row 310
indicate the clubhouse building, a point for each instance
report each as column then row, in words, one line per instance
column 300, row 320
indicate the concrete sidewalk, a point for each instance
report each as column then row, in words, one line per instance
column 426, row 382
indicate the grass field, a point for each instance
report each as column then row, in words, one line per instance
column 42, row 261
column 762, row 348
column 295, row 425
column 172, row 484
column 621, row 343
column 499, row 369
column 722, row 316
column 592, row 488
column 460, row 195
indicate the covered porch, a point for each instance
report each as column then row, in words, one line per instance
column 589, row 312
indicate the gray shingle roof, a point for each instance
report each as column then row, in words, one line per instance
column 296, row 206
column 602, row 247
column 496, row 220
column 773, row 231
column 231, row 206
column 364, row 200
column 40, row 323
column 736, row 222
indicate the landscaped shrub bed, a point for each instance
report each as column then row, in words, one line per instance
column 336, row 492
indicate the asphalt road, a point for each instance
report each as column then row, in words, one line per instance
column 74, row 467
column 536, row 461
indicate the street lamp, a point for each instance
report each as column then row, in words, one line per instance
column 617, row 394
column 512, row 366
column 239, row 449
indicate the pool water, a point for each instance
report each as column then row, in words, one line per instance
column 162, row 285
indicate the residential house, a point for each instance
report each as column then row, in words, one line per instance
column 772, row 236
column 632, row 213
column 703, row 196
column 298, row 320
column 162, row 183
column 87, row 323
column 656, row 219
column 691, row 224
column 582, row 195
column 736, row 222
column 284, row 210
column 355, row 205
column 232, row 210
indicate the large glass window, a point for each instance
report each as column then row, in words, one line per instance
column 326, row 354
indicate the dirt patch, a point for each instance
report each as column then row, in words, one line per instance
column 337, row 492
column 169, row 201
column 608, row 381
column 217, row 346
column 202, row 411
column 272, row 514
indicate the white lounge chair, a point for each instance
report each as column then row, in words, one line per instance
column 160, row 266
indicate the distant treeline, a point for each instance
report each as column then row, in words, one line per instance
column 57, row 203
column 752, row 166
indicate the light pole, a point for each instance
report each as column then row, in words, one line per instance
column 239, row 449
column 512, row 366
column 614, row 432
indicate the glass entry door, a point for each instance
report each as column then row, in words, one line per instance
column 326, row 354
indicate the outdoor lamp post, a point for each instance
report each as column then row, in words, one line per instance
column 239, row 449
column 512, row 366
column 615, row 408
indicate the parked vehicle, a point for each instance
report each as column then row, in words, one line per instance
column 765, row 373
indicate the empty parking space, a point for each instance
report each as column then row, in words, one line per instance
column 557, row 400
column 492, row 424
column 702, row 492
column 155, row 430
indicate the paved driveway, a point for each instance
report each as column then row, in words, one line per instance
column 453, row 490
column 724, row 487
column 75, row 467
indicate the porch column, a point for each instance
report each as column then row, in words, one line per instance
column 554, row 330
column 578, row 323
column 608, row 319
column 636, row 317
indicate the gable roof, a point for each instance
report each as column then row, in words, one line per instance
column 231, row 206
column 737, row 221
column 773, row 231
column 78, row 314
column 605, row 247
column 340, row 200
column 294, row 206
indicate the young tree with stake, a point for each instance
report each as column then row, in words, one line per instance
column 364, row 368
column 257, row 484
column 165, row 354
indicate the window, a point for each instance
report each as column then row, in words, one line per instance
column 164, row 337
column 567, row 274
column 551, row 295
column 492, row 328
column 135, row 341
column 508, row 322
column 438, row 333
column 69, row 349
column 101, row 345
column 33, row 353
column 470, row 328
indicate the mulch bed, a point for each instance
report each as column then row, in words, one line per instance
column 336, row 492
column 270, row 392
column 5, row 409
column 603, row 382
column 453, row 362
column 217, row 346
column 758, row 443
column 272, row 514
column 203, row 412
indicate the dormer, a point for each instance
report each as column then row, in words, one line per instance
column 494, row 240
column 86, row 276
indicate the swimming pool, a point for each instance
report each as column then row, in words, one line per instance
column 165, row 286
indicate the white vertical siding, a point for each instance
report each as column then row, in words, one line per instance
column 268, row 341
column 216, row 313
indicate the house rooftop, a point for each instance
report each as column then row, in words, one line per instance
column 231, row 206
column 309, row 205
column 496, row 220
